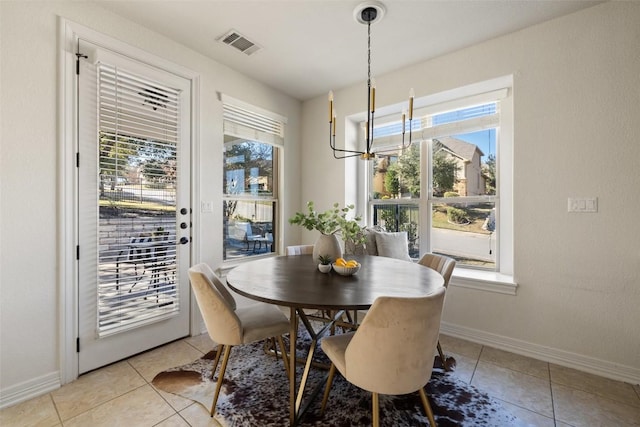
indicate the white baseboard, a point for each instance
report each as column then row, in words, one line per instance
column 29, row 389
column 577, row 361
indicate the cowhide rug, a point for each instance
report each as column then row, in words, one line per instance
column 255, row 392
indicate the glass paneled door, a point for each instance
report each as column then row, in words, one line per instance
column 133, row 207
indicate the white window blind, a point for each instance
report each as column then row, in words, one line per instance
column 138, row 128
column 136, row 107
column 247, row 122
column 469, row 125
column 388, row 134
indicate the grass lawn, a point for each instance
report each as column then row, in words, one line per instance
column 477, row 215
column 126, row 205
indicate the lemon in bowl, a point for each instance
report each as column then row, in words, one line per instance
column 346, row 268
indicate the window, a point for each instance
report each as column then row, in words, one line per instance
column 138, row 151
column 252, row 145
column 450, row 190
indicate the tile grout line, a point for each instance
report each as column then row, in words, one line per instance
column 553, row 402
column 196, row 348
column 175, row 411
column 55, row 407
column 475, row 367
column 105, row 402
column 522, row 407
column 586, row 390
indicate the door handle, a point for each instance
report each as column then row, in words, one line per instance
column 184, row 240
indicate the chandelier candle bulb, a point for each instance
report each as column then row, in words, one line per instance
column 334, row 123
column 404, row 117
column 331, row 115
column 411, row 96
column 373, row 95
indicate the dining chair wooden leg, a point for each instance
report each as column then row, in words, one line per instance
column 283, row 350
column 270, row 346
column 375, row 410
column 223, row 368
column 427, row 407
column 448, row 363
column 440, row 352
column 327, row 389
column 216, row 360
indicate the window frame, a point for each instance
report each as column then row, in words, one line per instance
column 246, row 121
column 500, row 89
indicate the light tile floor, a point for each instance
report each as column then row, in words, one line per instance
column 538, row 393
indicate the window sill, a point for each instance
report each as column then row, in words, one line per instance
column 490, row 281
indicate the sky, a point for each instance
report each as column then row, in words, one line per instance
column 484, row 139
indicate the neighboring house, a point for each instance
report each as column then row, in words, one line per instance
column 469, row 179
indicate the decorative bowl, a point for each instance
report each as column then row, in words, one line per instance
column 346, row 271
column 324, row 268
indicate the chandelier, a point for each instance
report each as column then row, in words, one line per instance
column 367, row 13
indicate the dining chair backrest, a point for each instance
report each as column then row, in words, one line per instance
column 440, row 263
column 217, row 306
column 392, row 350
column 300, row 250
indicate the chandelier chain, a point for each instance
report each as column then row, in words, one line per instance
column 369, row 53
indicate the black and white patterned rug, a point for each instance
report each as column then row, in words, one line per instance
column 255, row 392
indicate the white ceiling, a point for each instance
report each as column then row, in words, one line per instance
column 312, row 46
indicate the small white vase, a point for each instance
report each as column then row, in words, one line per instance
column 327, row 244
column 324, row 268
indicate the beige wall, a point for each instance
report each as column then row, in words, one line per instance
column 30, row 324
column 576, row 105
column 576, row 85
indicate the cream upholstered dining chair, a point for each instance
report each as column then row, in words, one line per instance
column 300, row 250
column 390, row 353
column 443, row 265
column 229, row 325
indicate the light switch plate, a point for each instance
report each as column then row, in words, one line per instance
column 206, row 207
column 582, row 204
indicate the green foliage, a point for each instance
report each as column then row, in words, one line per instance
column 457, row 216
column 325, row 259
column 391, row 179
column 115, row 153
column 332, row 221
column 408, row 168
column 412, row 231
column 391, row 222
column 444, row 173
column 403, row 175
column 451, row 194
column 489, row 172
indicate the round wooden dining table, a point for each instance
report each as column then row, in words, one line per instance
column 296, row 282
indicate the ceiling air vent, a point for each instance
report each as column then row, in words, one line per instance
column 240, row 42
